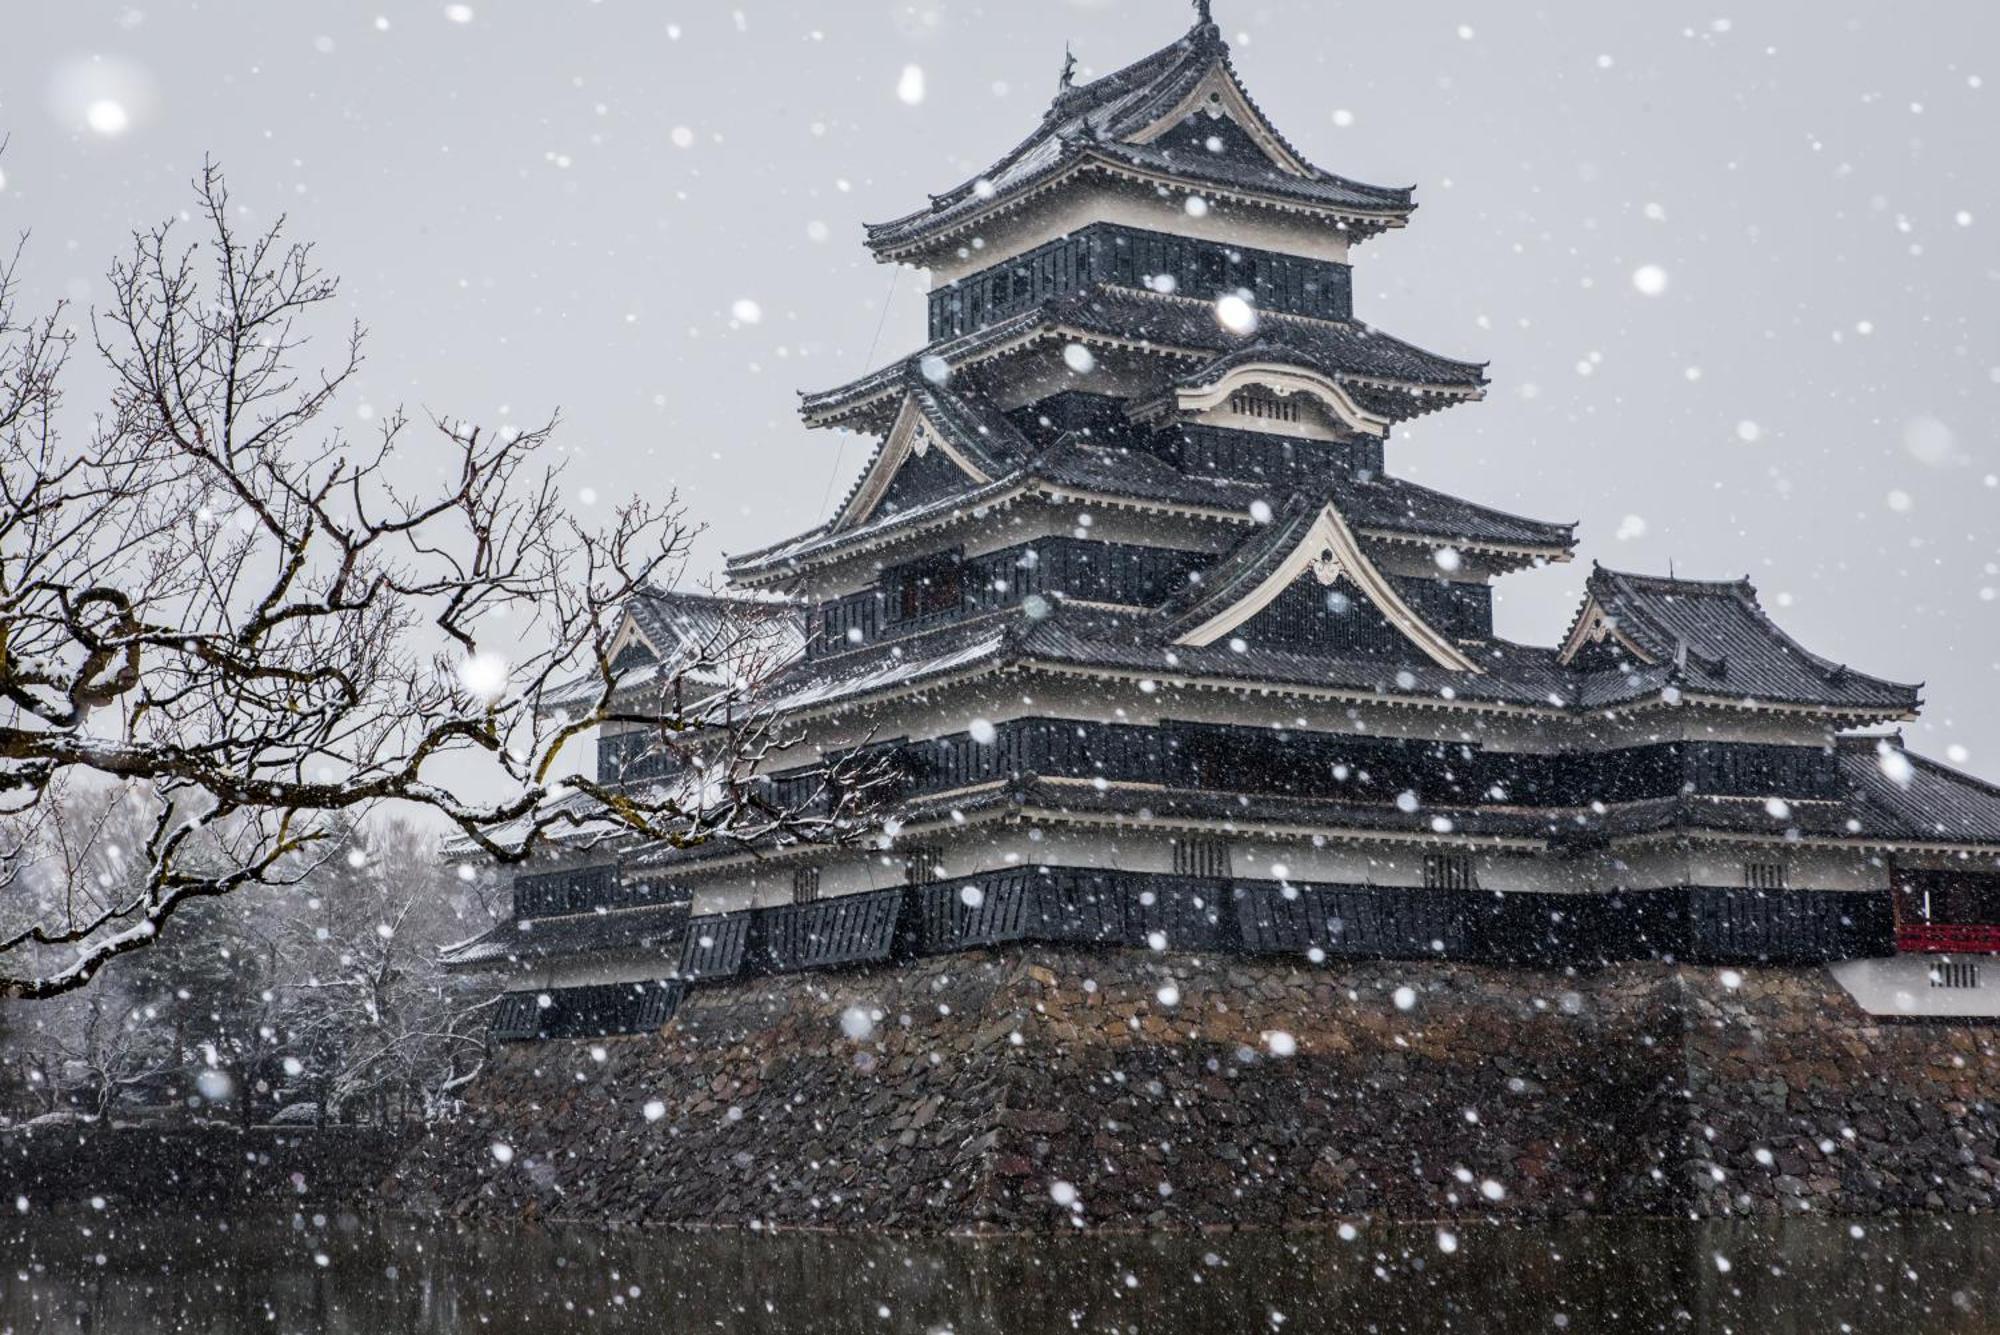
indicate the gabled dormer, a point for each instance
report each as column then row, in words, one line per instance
column 1267, row 387
column 941, row 444
column 1308, row 550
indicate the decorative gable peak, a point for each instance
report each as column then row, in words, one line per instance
column 1220, row 100
column 1310, row 537
column 959, row 441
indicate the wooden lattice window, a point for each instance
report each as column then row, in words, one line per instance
column 1203, row 857
column 805, row 885
column 922, row 866
column 1266, row 406
column 1959, row 975
column 1764, row 876
column 931, row 587
column 1449, row 871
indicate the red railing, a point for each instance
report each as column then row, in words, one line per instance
column 1947, row 939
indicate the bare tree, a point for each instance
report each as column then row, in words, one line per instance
column 221, row 601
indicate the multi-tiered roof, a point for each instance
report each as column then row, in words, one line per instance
column 1092, row 379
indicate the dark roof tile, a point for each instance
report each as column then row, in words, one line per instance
column 1917, row 797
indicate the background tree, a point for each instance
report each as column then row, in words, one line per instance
column 261, row 629
column 380, row 1026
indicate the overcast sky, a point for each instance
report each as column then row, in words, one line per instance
column 543, row 204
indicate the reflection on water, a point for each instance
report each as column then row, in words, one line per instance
column 349, row 1274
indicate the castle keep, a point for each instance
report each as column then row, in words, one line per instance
column 1163, row 654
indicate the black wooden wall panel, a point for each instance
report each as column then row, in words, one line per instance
column 715, row 946
column 846, row 929
column 587, row 1012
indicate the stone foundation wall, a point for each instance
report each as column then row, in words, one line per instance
column 1035, row 1087
column 1800, row 1102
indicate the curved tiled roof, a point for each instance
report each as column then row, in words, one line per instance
column 1713, row 637
column 1509, row 674
column 1378, row 506
column 1094, row 121
column 1347, row 351
column 704, row 640
column 1383, row 504
column 974, row 425
column 698, row 627
column 1917, row 797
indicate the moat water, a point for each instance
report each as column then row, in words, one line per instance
column 345, row 1273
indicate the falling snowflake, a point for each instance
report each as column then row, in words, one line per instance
column 1236, row 314
column 1895, row 766
column 484, row 676
column 1650, row 279
column 108, row 117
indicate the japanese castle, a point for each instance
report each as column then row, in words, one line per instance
column 1163, row 655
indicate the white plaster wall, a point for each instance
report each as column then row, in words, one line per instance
column 1721, row 864
column 1902, row 987
column 995, row 848
column 992, row 847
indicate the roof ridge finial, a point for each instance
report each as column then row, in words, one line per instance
column 1069, row 67
column 1204, row 14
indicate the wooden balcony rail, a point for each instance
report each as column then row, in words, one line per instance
column 1948, row 938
